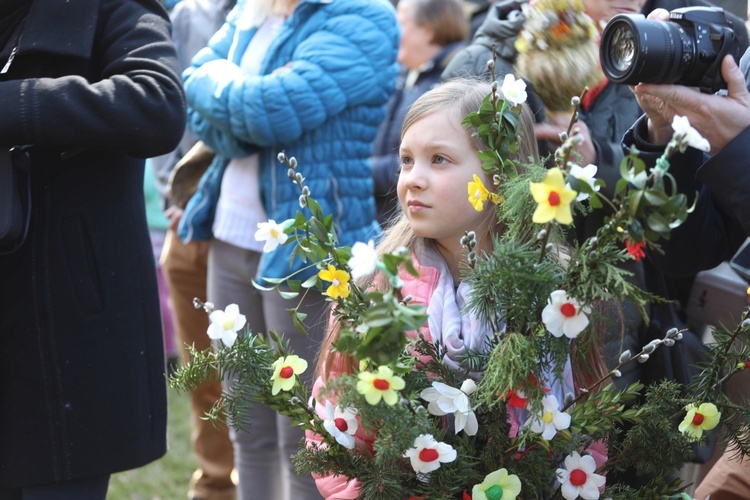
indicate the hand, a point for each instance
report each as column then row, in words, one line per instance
column 174, row 214
column 717, row 118
column 558, row 122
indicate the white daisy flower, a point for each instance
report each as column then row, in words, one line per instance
column 514, row 90
column 445, row 399
column 564, row 316
column 273, row 234
column 341, row 424
column 584, row 174
column 550, row 420
column 577, row 479
column 363, row 259
column 225, row 324
column 686, row 135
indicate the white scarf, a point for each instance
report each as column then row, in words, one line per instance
column 459, row 332
column 450, row 326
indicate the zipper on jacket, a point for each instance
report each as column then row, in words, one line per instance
column 10, row 60
column 14, row 50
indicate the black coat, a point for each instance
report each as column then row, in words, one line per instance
column 95, row 87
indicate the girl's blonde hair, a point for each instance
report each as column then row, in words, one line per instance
column 458, row 97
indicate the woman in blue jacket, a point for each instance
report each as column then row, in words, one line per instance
column 310, row 78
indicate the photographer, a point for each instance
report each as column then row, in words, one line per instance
column 721, row 219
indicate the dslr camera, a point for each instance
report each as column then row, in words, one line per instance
column 686, row 50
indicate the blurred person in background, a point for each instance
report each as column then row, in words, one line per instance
column 310, row 78
column 185, row 266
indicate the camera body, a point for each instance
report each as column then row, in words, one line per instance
column 686, row 50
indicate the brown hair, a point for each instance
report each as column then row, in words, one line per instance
column 446, row 18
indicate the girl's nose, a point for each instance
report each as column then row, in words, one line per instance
column 415, row 177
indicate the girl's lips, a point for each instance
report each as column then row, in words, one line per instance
column 416, row 206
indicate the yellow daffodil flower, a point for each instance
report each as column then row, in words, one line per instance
column 381, row 385
column 553, row 198
column 284, row 371
column 478, row 194
column 498, row 485
column 339, row 282
column 698, row 419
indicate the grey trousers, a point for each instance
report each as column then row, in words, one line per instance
column 262, row 450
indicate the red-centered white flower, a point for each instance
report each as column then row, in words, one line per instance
column 445, row 399
column 550, row 420
column 427, row 454
column 285, row 372
column 341, row 424
column 577, row 479
column 225, row 324
column 563, row 315
column 272, row 233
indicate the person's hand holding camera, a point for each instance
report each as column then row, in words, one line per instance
column 718, row 118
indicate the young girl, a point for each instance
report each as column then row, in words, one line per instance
column 438, row 160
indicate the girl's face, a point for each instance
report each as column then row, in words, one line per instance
column 437, row 162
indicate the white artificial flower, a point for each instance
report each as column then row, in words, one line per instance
column 445, row 399
column 584, row 174
column 550, row 420
column 577, row 479
column 687, row 135
column 273, row 234
column 363, row 260
column 564, row 316
column 427, row 454
column 514, row 90
column 225, row 324
column 341, row 424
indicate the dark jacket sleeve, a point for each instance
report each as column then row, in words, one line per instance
column 712, row 233
column 133, row 103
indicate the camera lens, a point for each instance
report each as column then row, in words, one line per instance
column 623, row 48
column 635, row 49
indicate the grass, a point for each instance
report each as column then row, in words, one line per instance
column 168, row 477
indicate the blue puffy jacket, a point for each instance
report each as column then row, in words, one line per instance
column 320, row 97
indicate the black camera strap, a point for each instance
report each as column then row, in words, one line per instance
column 707, row 81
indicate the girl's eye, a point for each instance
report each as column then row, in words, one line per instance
column 406, row 162
column 439, row 159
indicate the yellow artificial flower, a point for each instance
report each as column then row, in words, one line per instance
column 498, row 485
column 284, row 371
column 383, row 384
column 553, row 198
column 703, row 418
column 478, row 194
column 339, row 282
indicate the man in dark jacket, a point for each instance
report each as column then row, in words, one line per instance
column 92, row 86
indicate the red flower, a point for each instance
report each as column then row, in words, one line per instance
column 516, row 399
column 635, row 248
